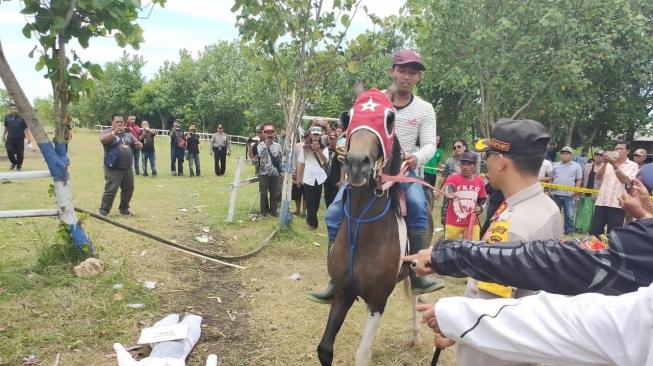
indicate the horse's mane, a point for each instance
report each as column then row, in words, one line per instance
column 392, row 167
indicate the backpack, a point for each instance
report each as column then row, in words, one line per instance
column 181, row 142
column 111, row 155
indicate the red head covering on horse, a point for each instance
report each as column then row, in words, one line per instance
column 371, row 111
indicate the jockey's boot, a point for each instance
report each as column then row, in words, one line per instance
column 325, row 296
column 418, row 240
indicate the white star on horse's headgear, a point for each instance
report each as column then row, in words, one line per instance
column 369, row 106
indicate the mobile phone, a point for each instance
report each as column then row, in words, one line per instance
column 612, row 154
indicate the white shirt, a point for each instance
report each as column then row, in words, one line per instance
column 312, row 169
column 413, row 122
column 588, row 329
column 545, row 169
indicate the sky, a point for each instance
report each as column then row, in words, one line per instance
column 189, row 24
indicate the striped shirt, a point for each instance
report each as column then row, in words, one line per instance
column 416, row 122
column 611, row 187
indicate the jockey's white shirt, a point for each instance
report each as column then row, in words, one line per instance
column 416, row 121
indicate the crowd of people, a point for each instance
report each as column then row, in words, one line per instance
column 501, row 320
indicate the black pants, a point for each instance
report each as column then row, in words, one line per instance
column 137, row 159
column 114, row 179
column 15, row 150
column 611, row 216
column 330, row 191
column 268, row 188
column 176, row 160
column 430, row 178
column 220, row 158
column 312, row 196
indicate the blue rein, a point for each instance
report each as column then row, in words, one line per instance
column 355, row 222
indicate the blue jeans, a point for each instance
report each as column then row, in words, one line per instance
column 137, row 158
column 568, row 206
column 415, row 201
column 149, row 155
column 194, row 157
column 176, row 160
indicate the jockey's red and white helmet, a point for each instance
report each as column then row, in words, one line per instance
column 371, row 111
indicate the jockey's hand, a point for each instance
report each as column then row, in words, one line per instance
column 420, row 262
column 411, row 160
column 476, row 210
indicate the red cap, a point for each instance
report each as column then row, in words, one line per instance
column 408, row 56
column 269, row 128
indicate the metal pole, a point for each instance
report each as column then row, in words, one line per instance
column 24, row 175
column 234, row 191
column 28, row 213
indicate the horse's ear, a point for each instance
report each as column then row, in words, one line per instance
column 344, row 119
column 389, row 121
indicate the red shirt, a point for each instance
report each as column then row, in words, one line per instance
column 136, row 131
column 466, row 194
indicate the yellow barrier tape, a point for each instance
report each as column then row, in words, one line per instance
column 574, row 189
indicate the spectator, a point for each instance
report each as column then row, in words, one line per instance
column 551, row 152
column 136, row 132
column 193, row 150
column 645, row 175
column 581, row 159
column 177, row 147
column 14, row 135
column 311, row 171
column 566, row 173
column 430, row 168
column 639, row 157
column 613, row 174
column 253, row 151
column 221, row 147
column 334, row 173
column 68, row 131
column 585, row 205
column 467, row 196
column 451, row 166
column 270, row 158
column 298, row 189
column 546, row 172
column 118, row 144
column 147, row 139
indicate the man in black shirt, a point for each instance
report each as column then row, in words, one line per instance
column 118, row 160
column 193, row 150
column 14, row 136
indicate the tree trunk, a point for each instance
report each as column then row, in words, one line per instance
column 570, row 132
column 55, row 157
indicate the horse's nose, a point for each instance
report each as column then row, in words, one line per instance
column 358, row 167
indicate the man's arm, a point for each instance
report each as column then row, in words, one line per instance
column 108, row 137
column 564, row 267
column 427, row 132
column 554, row 329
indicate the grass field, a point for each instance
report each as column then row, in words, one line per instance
column 263, row 317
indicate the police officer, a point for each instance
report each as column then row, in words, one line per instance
column 14, row 136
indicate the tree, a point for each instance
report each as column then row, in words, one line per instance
column 112, row 93
column 298, row 43
column 55, row 24
column 544, row 60
column 44, row 111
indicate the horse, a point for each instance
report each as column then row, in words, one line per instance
column 372, row 268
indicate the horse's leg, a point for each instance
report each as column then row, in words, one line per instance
column 364, row 352
column 339, row 308
column 417, row 338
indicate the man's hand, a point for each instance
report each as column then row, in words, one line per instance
column 411, row 160
column 420, row 263
column 477, row 210
column 632, row 206
column 610, row 160
column 138, row 145
column 428, row 317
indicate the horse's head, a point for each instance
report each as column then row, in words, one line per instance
column 370, row 134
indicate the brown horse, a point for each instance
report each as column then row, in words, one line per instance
column 376, row 257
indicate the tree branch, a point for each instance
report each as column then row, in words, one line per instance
column 522, row 108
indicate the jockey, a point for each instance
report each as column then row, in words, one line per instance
column 414, row 121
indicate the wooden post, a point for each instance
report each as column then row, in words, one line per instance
column 234, row 191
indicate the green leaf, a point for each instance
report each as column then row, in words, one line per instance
column 353, row 66
column 58, row 24
column 27, row 31
column 40, row 64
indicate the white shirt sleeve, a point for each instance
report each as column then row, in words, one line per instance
column 427, row 132
column 588, row 329
column 301, row 158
